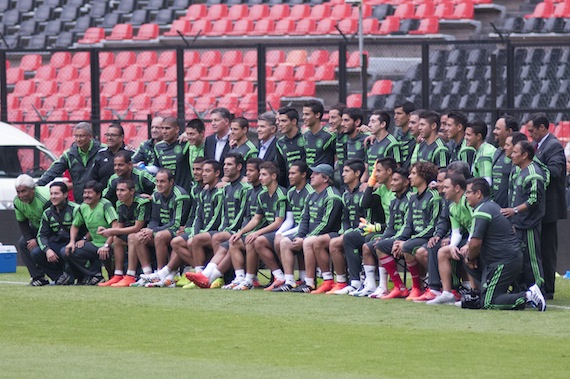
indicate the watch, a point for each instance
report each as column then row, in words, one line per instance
column 106, row 245
column 516, row 210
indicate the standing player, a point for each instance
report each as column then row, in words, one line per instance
column 457, row 145
column 123, row 166
column 103, row 165
column 319, row 144
column 351, row 122
column 502, row 164
column 239, row 143
column 170, row 153
column 291, row 146
column 404, row 135
column 335, row 128
column 432, row 148
column 384, row 145
column 475, row 135
column 195, row 130
column 145, row 154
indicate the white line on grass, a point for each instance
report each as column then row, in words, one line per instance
column 557, row 306
column 7, row 282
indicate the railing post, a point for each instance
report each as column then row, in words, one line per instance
column 261, row 80
column 180, row 104
column 95, row 92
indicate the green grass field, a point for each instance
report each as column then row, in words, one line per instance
column 92, row 332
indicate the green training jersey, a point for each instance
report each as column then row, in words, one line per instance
column 483, row 163
column 33, row 211
column 387, row 147
column 103, row 214
column 460, row 215
column 319, row 147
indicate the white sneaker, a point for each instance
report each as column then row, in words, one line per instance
column 167, row 283
column 444, row 298
column 379, row 293
column 363, row 291
column 534, row 295
column 345, row 291
column 234, row 283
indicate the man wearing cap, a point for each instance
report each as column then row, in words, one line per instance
column 321, row 215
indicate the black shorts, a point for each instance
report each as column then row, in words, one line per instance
column 270, row 237
column 385, row 246
column 412, row 245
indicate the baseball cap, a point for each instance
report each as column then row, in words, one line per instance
column 324, row 168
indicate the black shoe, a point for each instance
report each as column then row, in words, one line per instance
column 283, row 288
column 94, row 280
column 64, row 280
column 39, row 282
column 303, row 288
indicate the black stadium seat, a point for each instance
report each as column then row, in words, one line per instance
column 156, row 5
column 43, row 13
column 69, row 13
column 139, row 17
column 64, row 39
column 554, row 25
column 28, row 27
column 127, row 6
column 382, row 10
column 110, row 20
column 99, row 9
column 164, row 17
column 24, row 6
column 82, row 24
column 11, row 17
column 533, row 25
column 53, row 27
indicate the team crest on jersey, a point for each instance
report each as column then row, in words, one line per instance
column 177, row 149
column 506, row 160
column 300, row 142
column 319, row 144
column 320, row 203
column 67, row 217
column 403, row 207
column 424, row 204
column 358, row 145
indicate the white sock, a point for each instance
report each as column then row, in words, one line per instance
column 341, row 278
column 186, row 269
column 278, row 274
column 119, row 272
column 147, row 270
column 131, row 273
column 199, row 269
column 328, row 276
column 240, row 273
column 355, row 284
column 302, row 274
column 290, row 279
column 383, row 278
column 171, row 275
column 210, row 267
column 215, row 275
column 164, row 272
column 369, row 273
column 310, row 282
column 249, row 278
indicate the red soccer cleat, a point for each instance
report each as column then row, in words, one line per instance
column 325, row 286
column 199, row 279
column 396, row 293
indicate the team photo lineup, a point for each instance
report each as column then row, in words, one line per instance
column 468, row 210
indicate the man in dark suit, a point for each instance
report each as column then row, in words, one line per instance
column 266, row 129
column 551, row 153
column 217, row 145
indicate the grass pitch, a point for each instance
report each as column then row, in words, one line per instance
column 92, row 332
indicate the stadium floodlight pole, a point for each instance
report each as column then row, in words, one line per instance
column 358, row 3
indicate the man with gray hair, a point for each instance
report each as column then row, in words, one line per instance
column 30, row 203
column 78, row 159
column 266, row 129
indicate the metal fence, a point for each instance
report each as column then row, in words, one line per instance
column 46, row 92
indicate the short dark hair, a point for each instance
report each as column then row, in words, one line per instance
column 316, row 107
column 528, row 148
column 383, row 116
column 172, row 121
column 238, row 158
column 458, row 117
column 478, row 127
column 388, row 163
column 459, row 167
column 303, row 167
column 242, row 122
column 407, row 106
column 125, row 154
column 340, row 107
column 516, row 137
column 354, row 114
column 457, row 180
column 271, row 167
column 95, row 186
column 62, row 186
column 480, row 184
column 403, row 172
column 215, row 164
column 119, row 127
column 129, row 182
column 432, row 118
column 168, row 173
column 510, row 122
column 356, row 164
column 540, row 119
column 256, row 162
column 196, row 124
column 291, row 113
column 224, row 112
column 200, row 160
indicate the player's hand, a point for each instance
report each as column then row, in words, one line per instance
column 235, row 237
column 507, row 212
column 70, row 248
column 31, row 244
column 370, row 228
column 103, row 253
column 455, row 253
column 445, row 241
column 251, row 237
column 79, row 244
column 51, row 256
column 372, row 179
column 433, row 241
column 369, row 140
column 297, row 243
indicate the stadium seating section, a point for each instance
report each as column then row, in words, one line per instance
column 57, row 87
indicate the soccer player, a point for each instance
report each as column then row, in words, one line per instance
column 432, row 148
column 459, row 151
column 321, row 215
column 351, row 122
column 217, row 145
column 124, row 169
column 134, row 214
column 103, row 165
column 195, row 130
column 335, row 128
column 384, row 145
column 475, row 135
column 423, row 210
column 170, row 153
column 494, row 248
column 527, row 208
column 407, row 140
column 78, row 159
column 550, row 153
column 53, row 234
column 266, row 130
column 170, row 206
column 84, row 255
column 29, row 204
column 260, row 230
column 501, row 163
column 291, row 146
column 145, row 154
column 239, row 143
column 319, row 144
column 332, row 243
column 460, row 215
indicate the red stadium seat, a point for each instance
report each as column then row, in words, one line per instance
column 60, row 59
column 31, row 62
column 283, row 72
column 300, row 11
column 92, row 35
column 239, row 72
column 230, row 102
column 220, row 27
column 237, row 12
column 161, row 103
column 463, row 11
column 283, row 27
column 79, row 115
column 274, row 57
column 205, row 103
column 46, row 88
column 428, row 25
column 319, row 57
column 542, row 10
column 167, row 58
column 279, row 11
column 263, row 27
column 274, row 100
column 45, row 73
column 305, row 71
column 242, row 88
column 118, row 102
column 69, row 88
column 53, row 102
column 405, row 10
column 324, row 73
column 183, row 26
column 231, row 58
column 110, row 73
column 84, row 74
column 341, row 11
column 285, row 88
column 67, row 73
column 153, row 73
column 381, row 87
column 146, row 58
column 217, row 11
column 370, row 26
column 58, row 115
column 242, row 27
column 196, row 12
column 121, row 32
column 259, row 11
column 220, row 88
column 156, row 88
column 297, row 57
column 562, row 10
column 354, row 59
column 170, row 74
column 348, row 26
column 112, row 88
column 389, row 25
column 217, row 72
column 424, row 10
column 305, row 26
column 147, row 32
column 140, row 102
column 14, row 75
column 305, row 88
column 320, row 11
column 81, row 59
column 106, row 58
column 125, row 59
column 326, row 26
column 196, row 72
column 250, row 58
column 132, row 73
column 354, row 100
column 29, row 102
column 199, row 88
column 366, row 11
column 444, row 11
column 133, row 89
column 211, row 57
column 85, row 89
column 191, row 58
column 200, row 27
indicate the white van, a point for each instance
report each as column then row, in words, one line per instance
column 20, row 153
